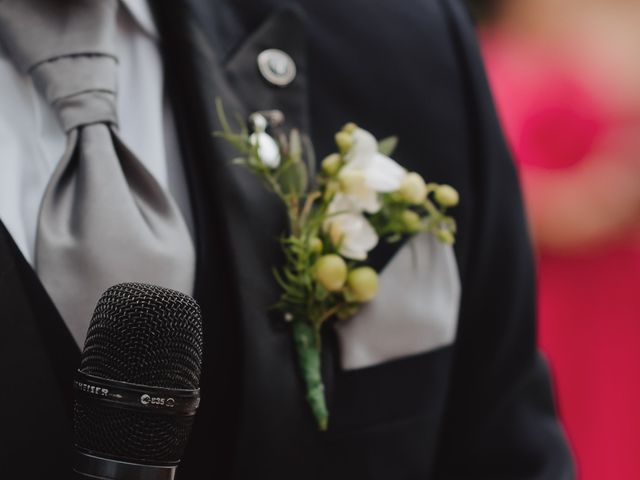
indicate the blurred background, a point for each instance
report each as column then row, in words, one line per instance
column 565, row 76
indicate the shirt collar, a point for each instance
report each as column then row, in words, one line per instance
column 141, row 13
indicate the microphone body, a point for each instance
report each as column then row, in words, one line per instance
column 107, row 469
column 137, row 388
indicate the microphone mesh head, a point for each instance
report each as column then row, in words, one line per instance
column 146, row 335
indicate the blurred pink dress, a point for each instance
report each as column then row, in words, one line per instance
column 589, row 303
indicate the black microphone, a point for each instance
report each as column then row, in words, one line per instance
column 137, row 388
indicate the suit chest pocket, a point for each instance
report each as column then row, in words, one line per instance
column 415, row 311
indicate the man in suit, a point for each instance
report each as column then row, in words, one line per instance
column 475, row 404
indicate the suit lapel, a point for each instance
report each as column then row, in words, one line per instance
column 282, row 30
column 243, row 221
column 32, row 315
column 38, row 359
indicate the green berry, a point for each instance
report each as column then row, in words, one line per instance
column 363, row 283
column 331, row 271
column 316, row 245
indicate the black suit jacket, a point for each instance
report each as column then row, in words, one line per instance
column 478, row 409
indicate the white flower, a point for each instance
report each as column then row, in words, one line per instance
column 379, row 173
column 268, row 149
column 354, row 187
column 349, row 229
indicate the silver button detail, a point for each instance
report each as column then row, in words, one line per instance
column 277, row 67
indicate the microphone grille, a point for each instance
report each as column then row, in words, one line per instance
column 145, row 335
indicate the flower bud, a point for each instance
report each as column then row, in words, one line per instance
column 351, row 181
column 331, row 164
column 447, row 196
column 335, row 233
column 259, row 122
column 350, row 127
column 363, row 283
column 316, row 245
column 445, row 236
column 331, row 271
column 331, row 189
column 413, row 189
column 268, row 149
column 412, row 221
column 344, row 141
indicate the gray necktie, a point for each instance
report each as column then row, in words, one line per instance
column 103, row 219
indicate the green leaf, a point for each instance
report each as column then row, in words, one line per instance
column 388, row 145
column 242, row 125
column 321, row 293
column 295, row 146
column 292, row 177
column 310, row 157
column 222, row 117
column 292, row 277
column 283, row 284
column 241, row 143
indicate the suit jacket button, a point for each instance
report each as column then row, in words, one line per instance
column 277, row 67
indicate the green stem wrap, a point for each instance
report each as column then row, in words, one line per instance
column 307, row 341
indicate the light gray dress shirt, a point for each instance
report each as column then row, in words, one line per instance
column 32, row 140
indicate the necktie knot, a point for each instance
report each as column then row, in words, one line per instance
column 68, row 48
column 80, row 88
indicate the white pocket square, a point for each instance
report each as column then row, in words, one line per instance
column 415, row 311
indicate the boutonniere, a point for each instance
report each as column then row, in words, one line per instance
column 337, row 215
